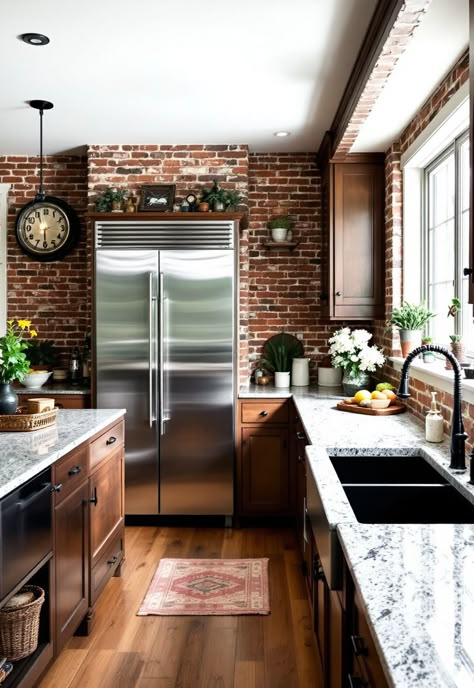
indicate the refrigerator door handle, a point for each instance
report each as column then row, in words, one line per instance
column 162, row 358
column 151, row 337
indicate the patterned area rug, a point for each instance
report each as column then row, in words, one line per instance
column 208, row 587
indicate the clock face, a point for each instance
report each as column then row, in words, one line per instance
column 47, row 229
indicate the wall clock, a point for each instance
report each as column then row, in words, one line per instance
column 47, row 227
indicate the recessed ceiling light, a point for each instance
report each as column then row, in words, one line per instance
column 282, row 133
column 34, row 38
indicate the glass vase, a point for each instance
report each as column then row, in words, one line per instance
column 353, row 381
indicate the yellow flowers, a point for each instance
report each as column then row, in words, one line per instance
column 13, row 359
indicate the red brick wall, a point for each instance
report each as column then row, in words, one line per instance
column 420, row 398
column 52, row 295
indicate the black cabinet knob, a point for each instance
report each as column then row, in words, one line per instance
column 300, row 436
column 75, row 470
column 111, row 440
column 468, row 271
column 338, row 293
column 264, row 413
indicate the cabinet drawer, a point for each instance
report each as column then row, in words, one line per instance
column 264, row 412
column 106, row 444
column 72, row 401
column 69, row 472
column 106, row 566
column 366, row 658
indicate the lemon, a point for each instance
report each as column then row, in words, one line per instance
column 361, row 395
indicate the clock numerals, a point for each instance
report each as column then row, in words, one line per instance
column 47, row 229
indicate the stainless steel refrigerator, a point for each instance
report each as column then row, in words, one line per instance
column 164, row 350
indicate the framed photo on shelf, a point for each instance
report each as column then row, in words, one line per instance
column 157, row 197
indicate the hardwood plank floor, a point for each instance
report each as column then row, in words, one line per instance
column 129, row 651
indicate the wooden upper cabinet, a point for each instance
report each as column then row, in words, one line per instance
column 356, row 240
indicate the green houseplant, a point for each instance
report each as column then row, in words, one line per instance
column 278, row 354
column 111, row 199
column 13, row 361
column 215, row 196
column 410, row 319
column 457, row 346
column 280, row 226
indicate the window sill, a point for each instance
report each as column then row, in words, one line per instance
column 436, row 375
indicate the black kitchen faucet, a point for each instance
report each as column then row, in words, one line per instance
column 458, row 435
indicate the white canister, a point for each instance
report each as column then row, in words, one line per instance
column 300, row 372
column 329, row 377
column 282, row 379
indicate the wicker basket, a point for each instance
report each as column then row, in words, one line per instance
column 22, row 421
column 19, row 627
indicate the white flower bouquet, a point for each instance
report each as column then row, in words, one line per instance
column 351, row 351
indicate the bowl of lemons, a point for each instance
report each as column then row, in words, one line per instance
column 35, row 379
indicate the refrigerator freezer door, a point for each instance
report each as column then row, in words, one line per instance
column 126, row 288
column 197, row 444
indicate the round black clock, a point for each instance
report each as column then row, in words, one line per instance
column 191, row 199
column 47, row 228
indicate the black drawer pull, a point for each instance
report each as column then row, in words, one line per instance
column 112, row 561
column 111, row 440
column 468, row 271
column 75, row 470
column 264, row 413
column 300, row 436
column 93, row 499
column 318, row 572
column 356, row 682
column 57, row 488
column 359, row 646
column 300, row 459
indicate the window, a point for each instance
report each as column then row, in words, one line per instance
column 446, row 241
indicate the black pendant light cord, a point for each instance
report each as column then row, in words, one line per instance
column 41, row 105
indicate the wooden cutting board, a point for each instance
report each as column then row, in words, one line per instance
column 354, row 408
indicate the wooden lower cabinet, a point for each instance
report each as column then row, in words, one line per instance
column 88, row 529
column 265, row 472
column 71, row 556
column 62, row 401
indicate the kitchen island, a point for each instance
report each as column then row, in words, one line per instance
column 415, row 582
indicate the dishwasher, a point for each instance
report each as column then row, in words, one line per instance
column 25, row 530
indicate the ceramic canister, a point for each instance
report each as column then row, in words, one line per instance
column 300, row 372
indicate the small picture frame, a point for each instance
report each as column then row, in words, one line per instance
column 157, row 197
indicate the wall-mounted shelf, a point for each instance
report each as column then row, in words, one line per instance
column 290, row 245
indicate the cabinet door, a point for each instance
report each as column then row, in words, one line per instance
column 265, row 471
column 357, row 258
column 106, row 504
column 336, row 660
column 71, row 563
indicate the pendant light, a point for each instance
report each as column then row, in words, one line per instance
column 41, row 105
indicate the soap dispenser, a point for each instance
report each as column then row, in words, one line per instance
column 434, row 424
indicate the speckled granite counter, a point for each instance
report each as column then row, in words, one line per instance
column 24, row 454
column 54, row 388
column 416, row 581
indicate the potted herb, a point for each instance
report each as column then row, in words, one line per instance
column 428, row 356
column 457, row 346
column 215, row 196
column 111, row 200
column 410, row 319
column 14, row 364
column 280, row 226
column 278, row 354
column 232, row 199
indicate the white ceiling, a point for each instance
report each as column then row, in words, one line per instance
column 176, row 71
column 438, row 42
column 207, row 72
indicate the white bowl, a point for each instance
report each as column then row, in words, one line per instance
column 35, row 380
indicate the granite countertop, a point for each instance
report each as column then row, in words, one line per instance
column 416, row 582
column 24, row 454
column 54, row 388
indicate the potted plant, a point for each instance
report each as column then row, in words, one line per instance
column 351, row 352
column 14, row 364
column 111, row 200
column 278, row 354
column 280, row 226
column 410, row 319
column 428, row 356
column 215, row 196
column 457, row 346
column 232, row 199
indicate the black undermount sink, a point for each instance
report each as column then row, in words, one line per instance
column 400, row 489
column 385, row 470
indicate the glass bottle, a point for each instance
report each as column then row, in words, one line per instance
column 75, row 373
column 86, row 360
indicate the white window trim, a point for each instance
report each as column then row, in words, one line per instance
column 450, row 121
column 4, row 188
column 436, row 375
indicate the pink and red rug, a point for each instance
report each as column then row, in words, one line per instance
column 205, row 587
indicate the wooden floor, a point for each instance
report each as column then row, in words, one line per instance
column 128, row 651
